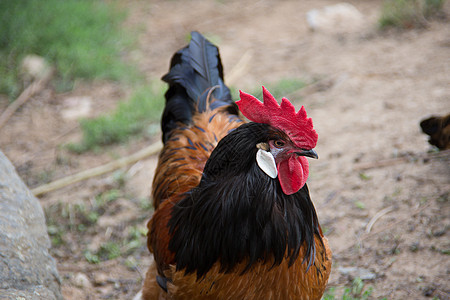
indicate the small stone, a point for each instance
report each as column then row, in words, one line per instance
column 439, row 232
column 341, row 17
column 355, row 272
column 76, row 108
column 101, row 279
column 414, row 247
column 82, row 281
column 429, row 291
column 34, row 66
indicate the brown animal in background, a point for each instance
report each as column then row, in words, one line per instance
column 438, row 128
column 233, row 216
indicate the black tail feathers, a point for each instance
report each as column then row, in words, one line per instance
column 195, row 77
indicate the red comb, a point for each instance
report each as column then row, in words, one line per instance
column 296, row 125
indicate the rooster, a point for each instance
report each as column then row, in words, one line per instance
column 233, row 217
column 438, row 128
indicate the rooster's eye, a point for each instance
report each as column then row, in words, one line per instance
column 279, row 143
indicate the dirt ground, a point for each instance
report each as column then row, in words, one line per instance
column 381, row 194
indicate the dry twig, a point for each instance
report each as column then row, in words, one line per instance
column 100, row 170
column 377, row 216
column 29, row 92
column 401, row 220
column 240, row 68
column 385, row 228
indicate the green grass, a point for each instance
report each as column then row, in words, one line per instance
column 130, row 118
column 114, row 249
column 67, row 222
column 409, row 13
column 82, row 38
column 357, row 291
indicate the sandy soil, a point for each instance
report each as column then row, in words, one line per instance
column 382, row 198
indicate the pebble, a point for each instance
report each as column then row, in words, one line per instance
column 341, row 17
column 355, row 272
column 82, row 281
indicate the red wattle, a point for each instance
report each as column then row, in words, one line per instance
column 293, row 173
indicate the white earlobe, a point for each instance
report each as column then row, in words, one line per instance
column 266, row 162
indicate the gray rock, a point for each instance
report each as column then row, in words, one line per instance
column 27, row 271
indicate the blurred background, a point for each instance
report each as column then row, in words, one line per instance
column 80, row 88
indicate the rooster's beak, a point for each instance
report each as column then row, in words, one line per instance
column 310, row 153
